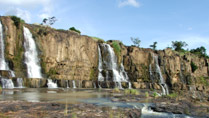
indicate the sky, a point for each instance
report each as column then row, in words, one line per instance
column 162, row 21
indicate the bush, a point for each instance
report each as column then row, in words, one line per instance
column 193, row 66
column 146, row 94
column 155, row 94
column 75, row 30
column 204, row 81
column 17, row 21
column 116, row 47
column 131, row 91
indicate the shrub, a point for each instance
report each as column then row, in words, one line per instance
column 131, row 91
column 155, row 94
column 116, row 47
column 75, row 30
column 146, row 94
column 204, row 81
column 193, row 66
column 17, row 21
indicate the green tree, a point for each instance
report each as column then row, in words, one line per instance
column 178, row 45
column 154, row 45
column 136, row 41
column 75, row 30
column 201, row 51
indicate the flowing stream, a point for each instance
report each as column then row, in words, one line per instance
column 51, row 84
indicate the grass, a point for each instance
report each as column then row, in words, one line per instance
column 131, row 92
column 98, row 39
column 173, row 95
column 204, row 81
column 146, row 94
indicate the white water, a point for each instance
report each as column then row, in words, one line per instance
column 31, row 56
column 162, row 82
column 51, row 84
column 67, row 83
column 19, row 82
column 3, row 64
column 74, row 86
column 119, row 74
column 7, row 83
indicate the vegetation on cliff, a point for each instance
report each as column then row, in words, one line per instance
column 17, row 21
column 75, row 30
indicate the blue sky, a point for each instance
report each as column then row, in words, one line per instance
column 150, row 20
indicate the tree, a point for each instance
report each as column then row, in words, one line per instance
column 75, row 30
column 201, row 51
column 178, row 45
column 154, row 45
column 136, row 41
column 49, row 21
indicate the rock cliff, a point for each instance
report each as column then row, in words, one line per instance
column 70, row 56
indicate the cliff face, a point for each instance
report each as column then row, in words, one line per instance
column 68, row 55
column 63, row 54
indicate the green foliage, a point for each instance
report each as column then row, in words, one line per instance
column 204, row 81
column 173, row 95
column 193, row 66
column 116, row 47
column 52, row 71
column 116, row 90
column 155, row 94
column 75, row 30
column 154, row 46
column 136, row 41
column 178, row 45
column 17, row 21
column 98, row 39
column 131, row 91
column 146, row 94
column 201, row 52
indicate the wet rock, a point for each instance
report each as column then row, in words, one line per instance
column 87, row 84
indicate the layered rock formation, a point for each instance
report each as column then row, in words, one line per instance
column 66, row 55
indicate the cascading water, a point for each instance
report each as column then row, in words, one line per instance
column 7, row 83
column 3, row 64
column 67, row 84
column 162, row 82
column 51, row 84
column 19, row 82
column 74, row 86
column 118, row 73
column 31, row 55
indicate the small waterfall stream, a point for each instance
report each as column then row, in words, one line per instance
column 109, row 63
column 19, row 82
column 31, row 55
column 74, row 86
column 51, row 84
column 7, row 83
column 162, row 82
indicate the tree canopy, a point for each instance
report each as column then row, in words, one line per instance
column 179, row 45
column 136, row 41
column 154, row 45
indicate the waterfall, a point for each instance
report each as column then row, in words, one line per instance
column 100, row 67
column 31, row 55
column 74, row 86
column 3, row 64
column 7, row 83
column 19, row 82
column 109, row 63
column 51, row 84
column 162, row 82
column 67, row 84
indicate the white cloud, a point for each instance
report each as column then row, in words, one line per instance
column 12, row 7
column 24, row 14
column 133, row 3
